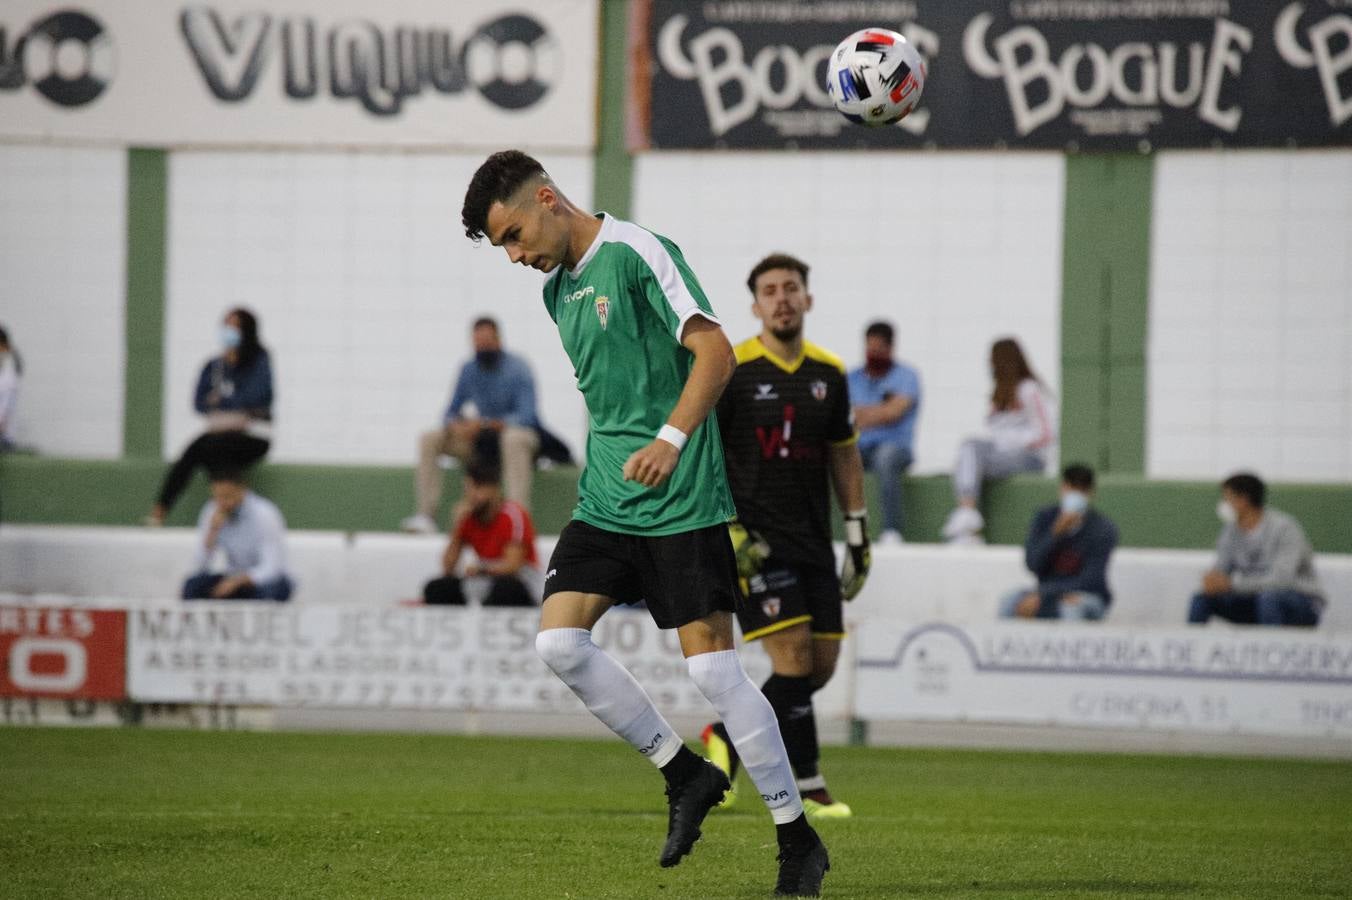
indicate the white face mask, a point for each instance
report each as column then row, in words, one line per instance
column 1074, row 502
column 1226, row 513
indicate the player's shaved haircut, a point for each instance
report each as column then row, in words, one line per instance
column 498, row 180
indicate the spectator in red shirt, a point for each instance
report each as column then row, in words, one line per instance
column 502, row 536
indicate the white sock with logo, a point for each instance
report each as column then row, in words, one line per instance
column 609, row 691
column 751, row 723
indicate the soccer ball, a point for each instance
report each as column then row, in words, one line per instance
column 876, row 77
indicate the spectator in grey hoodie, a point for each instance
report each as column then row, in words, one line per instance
column 1068, row 547
column 1264, row 572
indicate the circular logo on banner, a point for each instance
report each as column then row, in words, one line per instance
column 69, row 58
column 512, row 61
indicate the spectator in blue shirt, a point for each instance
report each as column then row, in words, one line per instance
column 886, row 398
column 491, row 416
column 1068, row 547
column 234, row 394
column 249, row 532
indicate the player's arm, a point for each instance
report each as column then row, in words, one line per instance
column 710, row 374
column 847, row 477
column 512, row 559
column 451, row 558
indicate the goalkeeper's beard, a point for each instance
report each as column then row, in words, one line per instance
column 787, row 335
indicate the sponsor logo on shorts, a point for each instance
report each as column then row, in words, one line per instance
column 771, row 606
column 819, row 390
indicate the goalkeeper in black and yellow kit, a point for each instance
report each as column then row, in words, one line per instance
column 788, row 438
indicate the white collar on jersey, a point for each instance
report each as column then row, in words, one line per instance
column 602, row 236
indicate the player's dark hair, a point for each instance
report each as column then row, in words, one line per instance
column 250, row 348
column 482, row 471
column 776, row 261
column 1247, row 485
column 880, row 330
column 1010, row 367
column 232, row 474
column 486, row 322
column 497, row 180
column 1078, row 476
column 6, row 345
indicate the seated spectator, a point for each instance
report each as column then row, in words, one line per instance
column 250, row 533
column 886, row 398
column 11, row 371
column 1020, row 430
column 1068, row 547
column 1264, row 572
column 492, row 415
column 501, row 535
column 234, row 393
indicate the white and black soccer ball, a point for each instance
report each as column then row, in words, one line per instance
column 876, row 77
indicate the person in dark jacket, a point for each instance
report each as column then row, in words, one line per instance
column 234, row 393
column 1068, row 548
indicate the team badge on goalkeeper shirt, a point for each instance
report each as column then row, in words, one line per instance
column 603, row 310
column 819, row 390
column 770, row 606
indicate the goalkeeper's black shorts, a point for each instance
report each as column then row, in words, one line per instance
column 783, row 595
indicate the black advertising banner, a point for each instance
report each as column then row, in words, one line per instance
column 1072, row 74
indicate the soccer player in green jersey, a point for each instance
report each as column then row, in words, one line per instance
column 789, row 437
column 651, row 360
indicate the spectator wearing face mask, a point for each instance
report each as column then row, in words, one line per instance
column 234, row 394
column 886, row 399
column 1264, row 571
column 491, row 417
column 1068, row 547
column 11, row 373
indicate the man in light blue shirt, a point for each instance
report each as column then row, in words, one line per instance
column 886, row 399
column 249, row 532
column 491, row 415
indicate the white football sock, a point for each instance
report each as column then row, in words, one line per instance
column 609, row 691
column 750, row 721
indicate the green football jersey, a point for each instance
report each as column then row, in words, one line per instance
column 620, row 312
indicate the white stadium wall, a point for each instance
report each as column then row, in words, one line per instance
column 1250, row 346
column 365, row 286
column 954, row 249
column 62, row 260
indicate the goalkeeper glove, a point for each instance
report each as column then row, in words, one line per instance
column 750, row 548
column 858, row 556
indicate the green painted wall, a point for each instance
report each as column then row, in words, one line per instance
column 1105, row 283
column 147, row 238
column 1179, row 514
column 613, row 172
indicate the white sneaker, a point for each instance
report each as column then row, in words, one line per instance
column 419, row 524
column 964, row 523
column 890, row 537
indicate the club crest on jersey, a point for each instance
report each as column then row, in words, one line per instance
column 819, row 390
column 765, row 392
column 603, row 310
column 770, row 606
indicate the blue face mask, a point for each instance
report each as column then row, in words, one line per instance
column 230, row 337
column 1074, row 502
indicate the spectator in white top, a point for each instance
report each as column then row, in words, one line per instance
column 249, row 532
column 1020, row 430
column 11, row 370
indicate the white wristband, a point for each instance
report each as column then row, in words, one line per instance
column 673, row 436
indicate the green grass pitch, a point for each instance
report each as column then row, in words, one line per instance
column 145, row 814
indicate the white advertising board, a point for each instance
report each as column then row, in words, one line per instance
column 405, row 73
column 1235, row 680
column 451, row 658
